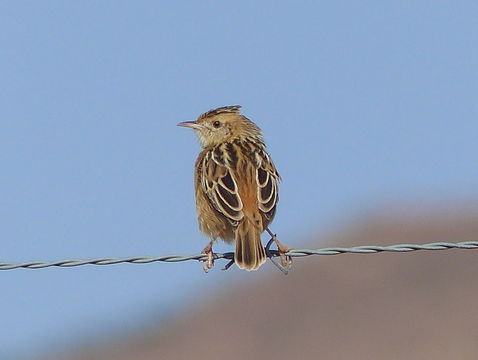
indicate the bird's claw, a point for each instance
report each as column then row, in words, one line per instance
column 209, row 262
column 285, row 260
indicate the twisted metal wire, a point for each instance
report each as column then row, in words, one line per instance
column 367, row 249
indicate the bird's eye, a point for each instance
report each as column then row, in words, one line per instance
column 216, row 124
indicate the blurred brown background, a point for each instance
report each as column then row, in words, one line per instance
column 420, row 305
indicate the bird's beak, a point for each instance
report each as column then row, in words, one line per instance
column 190, row 124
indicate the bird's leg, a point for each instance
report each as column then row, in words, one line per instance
column 286, row 261
column 209, row 263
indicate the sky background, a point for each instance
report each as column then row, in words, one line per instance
column 362, row 103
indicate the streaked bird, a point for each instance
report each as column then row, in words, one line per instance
column 236, row 184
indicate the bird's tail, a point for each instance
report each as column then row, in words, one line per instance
column 250, row 253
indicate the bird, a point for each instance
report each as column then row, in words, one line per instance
column 236, row 185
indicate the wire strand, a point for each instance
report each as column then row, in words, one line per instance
column 366, row 249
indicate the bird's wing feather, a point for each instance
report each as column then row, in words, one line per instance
column 223, row 192
column 221, row 188
column 267, row 179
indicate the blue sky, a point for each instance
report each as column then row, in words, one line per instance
column 361, row 103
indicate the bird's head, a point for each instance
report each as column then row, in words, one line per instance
column 224, row 124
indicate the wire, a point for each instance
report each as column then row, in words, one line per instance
column 367, row 249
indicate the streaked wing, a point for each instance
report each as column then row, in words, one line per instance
column 267, row 179
column 221, row 187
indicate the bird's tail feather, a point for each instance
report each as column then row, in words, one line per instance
column 250, row 253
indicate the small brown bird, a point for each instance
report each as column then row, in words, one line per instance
column 236, row 184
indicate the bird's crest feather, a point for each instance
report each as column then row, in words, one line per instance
column 235, row 109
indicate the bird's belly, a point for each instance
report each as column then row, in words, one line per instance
column 214, row 224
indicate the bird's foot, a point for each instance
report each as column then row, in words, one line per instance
column 209, row 262
column 285, row 260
